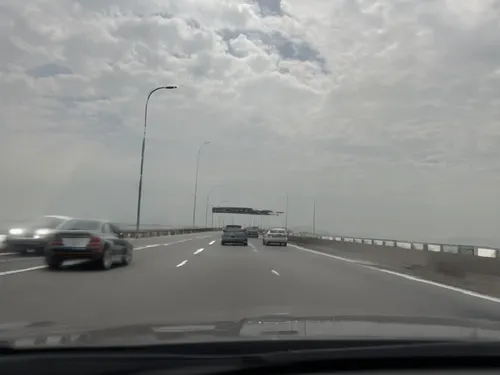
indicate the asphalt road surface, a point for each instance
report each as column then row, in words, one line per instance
column 192, row 278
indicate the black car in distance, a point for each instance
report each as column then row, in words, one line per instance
column 252, row 232
column 96, row 240
column 34, row 235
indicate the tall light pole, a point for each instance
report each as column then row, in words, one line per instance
column 206, row 208
column 218, row 217
column 286, row 212
column 196, row 181
column 314, row 217
column 138, row 219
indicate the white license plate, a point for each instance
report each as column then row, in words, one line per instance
column 75, row 242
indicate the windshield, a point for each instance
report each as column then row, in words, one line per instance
column 229, row 160
column 277, row 231
column 82, row 225
column 233, row 229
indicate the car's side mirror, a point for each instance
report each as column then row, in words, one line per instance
column 120, row 235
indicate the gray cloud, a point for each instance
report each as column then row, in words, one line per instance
column 385, row 112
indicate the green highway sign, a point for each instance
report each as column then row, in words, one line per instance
column 243, row 211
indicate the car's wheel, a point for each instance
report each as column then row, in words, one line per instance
column 222, row 243
column 127, row 257
column 53, row 263
column 106, row 262
column 245, row 244
column 285, row 244
column 264, row 243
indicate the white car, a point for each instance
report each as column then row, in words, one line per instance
column 275, row 236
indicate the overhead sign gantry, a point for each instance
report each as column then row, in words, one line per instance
column 244, row 211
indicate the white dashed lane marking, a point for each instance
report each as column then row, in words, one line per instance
column 198, row 251
column 181, row 263
column 13, row 272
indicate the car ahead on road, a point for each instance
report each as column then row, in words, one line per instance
column 96, row 240
column 234, row 234
column 34, row 235
column 253, row 232
column 275, row 236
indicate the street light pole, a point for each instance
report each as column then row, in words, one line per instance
column 218, row 218
column 286, row 212
column 138, row 218
column 196, row 181
column 314, row 217
column 206, row 208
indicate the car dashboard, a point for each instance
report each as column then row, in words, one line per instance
column 260, row 357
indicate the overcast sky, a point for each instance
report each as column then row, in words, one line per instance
column 386, row 112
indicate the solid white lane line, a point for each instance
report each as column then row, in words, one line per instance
column 17, row 259
column 326, row 255
column 211, row 243
column 439, row 285
column 5, row 273
column 198, row 251
column 9, row 254
column 275, row 272
column 406, row 276
column 182, row 263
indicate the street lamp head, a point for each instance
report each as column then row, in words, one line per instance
column 171, row 87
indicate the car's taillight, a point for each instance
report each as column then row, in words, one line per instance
column 94, row 242
column 56, row 243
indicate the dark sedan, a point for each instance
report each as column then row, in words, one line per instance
column 234, row 235
column 34, row 235
column 96, row 240
column 253, row 232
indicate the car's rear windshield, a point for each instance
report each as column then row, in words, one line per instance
column 82, row 225
column 277, row 231
column 233, row 229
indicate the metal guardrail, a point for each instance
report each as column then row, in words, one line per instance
column 145, row 233
column 131, row 233
column 480, row 251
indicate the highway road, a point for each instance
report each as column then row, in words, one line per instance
column 192, row 278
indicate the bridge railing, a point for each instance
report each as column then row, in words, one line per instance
column 144, row 233
column 436, row 247
column 468, row 263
